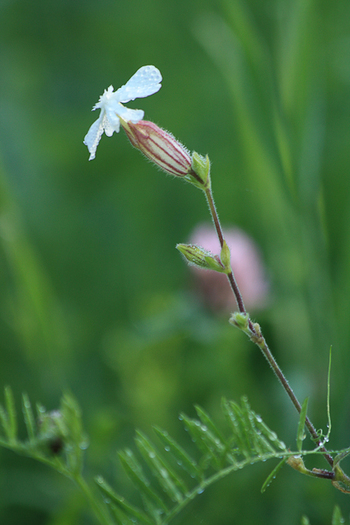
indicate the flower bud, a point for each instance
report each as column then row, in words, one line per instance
column 247, row 265
column 200, row 257
column 159, row 146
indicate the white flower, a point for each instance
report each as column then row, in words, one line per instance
column 145, row 82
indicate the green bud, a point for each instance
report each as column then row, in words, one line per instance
column 200, row 175
column 225, row 257
column 200, row 257
column 241, row 321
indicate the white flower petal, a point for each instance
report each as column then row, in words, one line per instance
column 112, row 119
column 93, row 136
column 143, row 83
column 132, row 115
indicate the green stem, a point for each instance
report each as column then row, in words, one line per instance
column 220, row 234
column 261, row 343
column 255, row 332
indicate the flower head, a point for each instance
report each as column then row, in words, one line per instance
column 143, row 83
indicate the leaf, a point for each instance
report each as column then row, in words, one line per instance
column 134, row 470
column 11, row 429
column 212, row 449
column 272, row 440
column 301, row 425
column 207, row 421
column 329, row 395
column 337, row 518
column 71, row 429
column 273, row 475
column 29, row 418
column 121, row 503
column 181, row 457
column 168, row 480
column 305, row 520
column 341, row 456
column 235, row 418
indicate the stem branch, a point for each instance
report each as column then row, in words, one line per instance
column 256, row 335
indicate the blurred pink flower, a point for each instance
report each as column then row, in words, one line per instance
column 246, row 264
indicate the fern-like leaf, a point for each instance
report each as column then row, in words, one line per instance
column 177, row 477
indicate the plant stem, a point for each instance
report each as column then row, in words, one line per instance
column 255, row 333
column 261, row 343
column 230, row 276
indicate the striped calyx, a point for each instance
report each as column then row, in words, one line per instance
column 159, row 146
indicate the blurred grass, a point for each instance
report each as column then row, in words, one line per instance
column 94, row 296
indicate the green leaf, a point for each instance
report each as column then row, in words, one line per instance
column 71, row 429
column 131, row 510
column 301, row 425
column 235, row 418
column 181, row 457
column 168, row 480
column 4, row 421
column 273, row 475
column 305, row 520
column 208, row 422
column 11, row 415
column 341, row 456
column 270, row 435
column 337, row 518
column 29, row 418
column 213, row 450
column 329, row 394
column 134, row 470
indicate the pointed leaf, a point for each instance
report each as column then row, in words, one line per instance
column 234, row 416
column 273, row 475
column 305, row 520
column 168, row 480
column 337, row 518
column 301, row 425
column 269, row 434
column 5, row 422
column 181, row 457
column 254, row 437
column 12, row 416
column 329, row 394
column 213, row 450
column 29, row 418
column 71, row 428
column 130, row 510
column 207, row 421
column 341, row 456
column 134, row 470
column 220, row 440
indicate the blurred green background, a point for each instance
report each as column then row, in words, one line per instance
column 94, row 297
